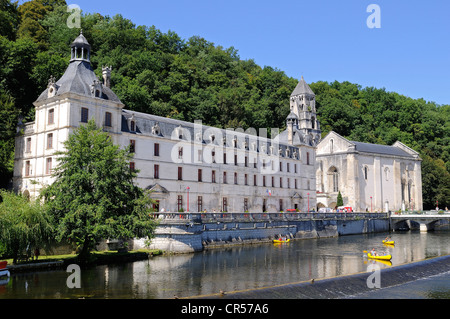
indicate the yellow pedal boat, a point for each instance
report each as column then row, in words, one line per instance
column 279, row 241
column 385, row 257
column 388, row 242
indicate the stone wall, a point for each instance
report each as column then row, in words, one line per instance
column 185, row 238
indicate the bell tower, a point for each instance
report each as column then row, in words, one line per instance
column 303, row 105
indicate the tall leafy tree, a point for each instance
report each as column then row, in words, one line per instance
column 23, row 225
column 94, row 196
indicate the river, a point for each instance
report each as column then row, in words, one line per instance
column 242, row 268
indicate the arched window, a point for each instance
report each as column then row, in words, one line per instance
column 333, row 179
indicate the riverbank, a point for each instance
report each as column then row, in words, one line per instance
column 347, row 286
column 96, row 258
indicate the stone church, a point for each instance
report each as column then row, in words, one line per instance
column 193, row 167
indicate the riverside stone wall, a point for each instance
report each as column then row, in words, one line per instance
column 179, row 237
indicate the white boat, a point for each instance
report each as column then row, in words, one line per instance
column 4, row 272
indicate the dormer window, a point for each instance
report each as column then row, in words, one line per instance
column 133, row 126
column 156, row 130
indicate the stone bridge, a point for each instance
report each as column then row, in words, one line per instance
column 426, row 220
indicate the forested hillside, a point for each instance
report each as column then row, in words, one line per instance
column 189, row 79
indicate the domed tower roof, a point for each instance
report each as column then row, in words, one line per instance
column 79, row 76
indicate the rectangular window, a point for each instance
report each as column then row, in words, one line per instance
column 254, row 180
column 199, row 203
column 224, row 158
column 132, row 126
column 245, row 204
column 235, row 178
column 281, row 204
column 224, row 177
column 132, row 166
column 213, row 176
column 51, row 116
column 235, row 159
column 288, row 168
column 281, row 166
column 246, row 161
column 132, row 146
column 273, row 181
column 264, row 181
column 199, row 175
column 180, row 203
column 213, row 156
column 84, row 115
column 180, row 173
column 180, row 152
column 281, row 182
column 28, row 145
column 50, row 141
column 156, row 149
column 288, row 183
column 48, row 168
column 225, row 204
column 27, row 168
column 307, row 158
column 295, row 168
column 108, row 119
column 156, row 171
column 246, row 179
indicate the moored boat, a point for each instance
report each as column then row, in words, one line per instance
column 388, row 242
column 3, row 269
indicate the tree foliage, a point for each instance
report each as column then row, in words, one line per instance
column 23, row 224
column 93, row 196
column 194, row 79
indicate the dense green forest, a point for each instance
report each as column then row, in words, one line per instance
column 189, row 79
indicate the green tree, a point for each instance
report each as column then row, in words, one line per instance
column 23, row 224
column 340, row 200
column 93, row 196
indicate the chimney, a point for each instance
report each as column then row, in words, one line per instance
column 107, row 76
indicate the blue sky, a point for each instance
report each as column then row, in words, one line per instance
column 323, row 40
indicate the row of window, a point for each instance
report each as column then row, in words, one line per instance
column 48, row 167
column 213, row 157
column 84, row 117
column 247, row 177
column 201, row 208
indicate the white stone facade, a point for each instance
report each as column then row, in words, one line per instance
column 370, row 177
column 182, row 163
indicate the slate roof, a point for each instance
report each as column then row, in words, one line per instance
column 302, row 88
column 144, row 123
column 380, row 149
column 78, row 78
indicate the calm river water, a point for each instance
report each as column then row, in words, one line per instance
column 239, row 268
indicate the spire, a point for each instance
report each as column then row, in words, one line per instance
column 302, row 88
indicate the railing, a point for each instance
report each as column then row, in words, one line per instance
column 250, row 217
column 425, row 213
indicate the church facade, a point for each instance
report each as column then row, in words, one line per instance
column 187, row 166
column 370, row 177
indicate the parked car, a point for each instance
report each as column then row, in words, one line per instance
column 325, row 210
column 345, row 209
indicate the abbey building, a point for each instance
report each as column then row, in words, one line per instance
column 193, row 167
